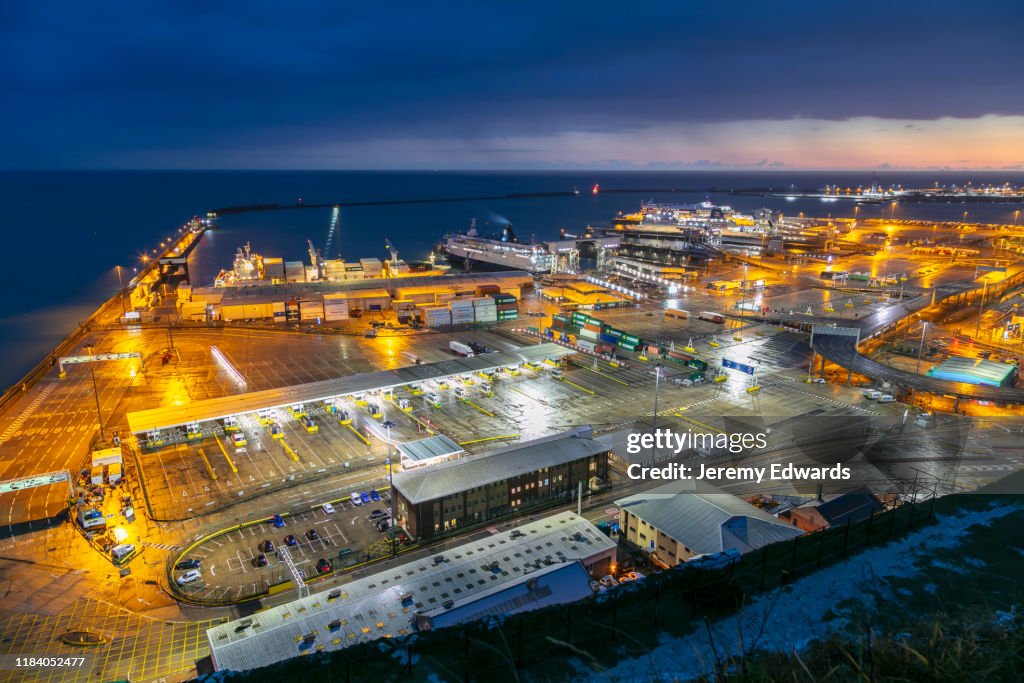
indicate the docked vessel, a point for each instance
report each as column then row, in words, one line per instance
column 504, row 252
column 248, row 265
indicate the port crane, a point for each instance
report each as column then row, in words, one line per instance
column 391, row 264
column 315, row 259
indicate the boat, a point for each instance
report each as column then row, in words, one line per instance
column 247, row 266
column 501, row 252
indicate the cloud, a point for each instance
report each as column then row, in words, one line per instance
column 183, row 84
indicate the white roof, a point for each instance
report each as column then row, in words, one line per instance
column 370, row 608
column 166, row 417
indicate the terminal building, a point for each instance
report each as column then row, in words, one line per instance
column 975, row 371
column 437, row 500
column 546, row 562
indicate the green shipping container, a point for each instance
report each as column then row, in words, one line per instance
column 614, row 332
column 631, row 338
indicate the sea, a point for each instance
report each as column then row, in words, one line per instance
column 66, row 232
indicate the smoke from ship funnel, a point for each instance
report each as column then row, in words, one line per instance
column 497, row 218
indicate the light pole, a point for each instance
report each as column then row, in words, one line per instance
column 391, row 494
column 120, row 292
column 920, row 349
column 657, row 386
column 96, row 392
column 981, row 309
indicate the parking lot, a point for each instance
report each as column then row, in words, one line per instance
column 186, row 478
column 228, row 563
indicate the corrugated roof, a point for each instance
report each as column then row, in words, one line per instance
column 554, row 585
column 168, row 417
column 369, row 608
column 438, row 446
column 431, row 483
column 708, row 522
column 852, row 506
column 973, row 371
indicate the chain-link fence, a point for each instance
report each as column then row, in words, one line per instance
column 628, row 621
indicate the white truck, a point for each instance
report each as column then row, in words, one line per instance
column 460, row 348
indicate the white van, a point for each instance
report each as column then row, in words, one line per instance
column 886, row 398
column 122, row 551
column 188, row 577
column 872, row 394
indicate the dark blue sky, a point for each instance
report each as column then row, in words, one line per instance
column 511, row 85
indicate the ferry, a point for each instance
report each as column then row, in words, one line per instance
column 505, row 252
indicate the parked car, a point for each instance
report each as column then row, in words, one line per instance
column 277, row 521
column 379, row 514
column 323, row 566
column 356, row 499
column 290, row 541
column 327, row 508
column 383, row 525
column 266, row 547
column 260, row 560
column 886, row 398
column 609, row 581
column 187, row 564
column 364, row 497
column 188, row 577
column 312, row 535
column 818, row 380
column 374, row 496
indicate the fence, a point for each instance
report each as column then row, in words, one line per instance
column 628, row 621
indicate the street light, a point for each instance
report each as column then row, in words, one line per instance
column 657, row 387
column 96, row 392
column 391, row 494
column 120, row 295
column 920, row 349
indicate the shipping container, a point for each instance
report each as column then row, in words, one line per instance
column 311, row 310
column 609, row 338
column 587, row 345
column 295, row 271
column 590, row 334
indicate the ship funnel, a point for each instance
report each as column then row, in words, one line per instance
column 508, row 235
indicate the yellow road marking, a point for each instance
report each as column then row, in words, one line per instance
column 213, row 475
column 226, row 456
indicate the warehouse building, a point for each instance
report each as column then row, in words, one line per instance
column 975, row 371
column 433, row 501
column 674, row 525
column 331, row 301
column 546, row 562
